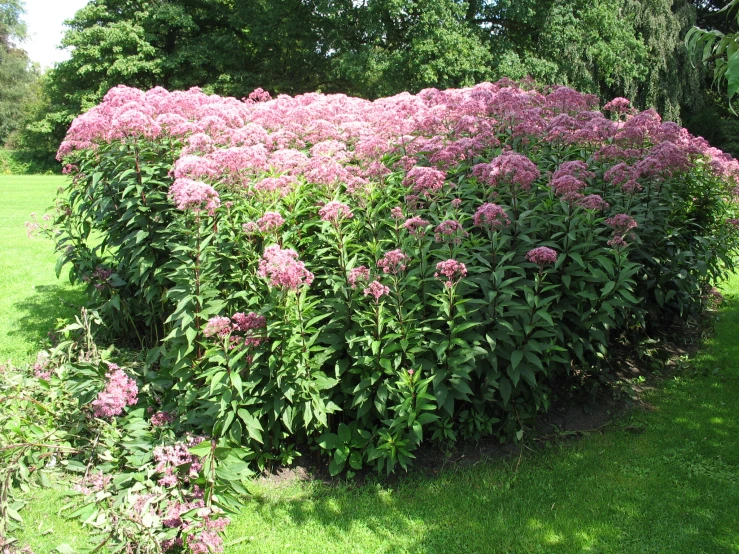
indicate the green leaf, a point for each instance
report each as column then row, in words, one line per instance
column 516, row 358
column 329, row 441
column 345, row 434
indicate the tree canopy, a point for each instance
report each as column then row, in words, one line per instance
column 369, row 48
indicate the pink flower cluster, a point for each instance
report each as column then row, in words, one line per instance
column 452, row 270
column 120, row 391
column 621, row 225
column 170, row 458
column 335, row 211
column 393, row 262
column 358, row 275
column 269, row 222
column 377, row 290
column 509, row 168
column 283, row 269
column 491, row 216
column 542, row 256
column 450, row 231
column 246, row 324
column 194, row 195
column 416, row 226
column 425, row 180
column 161, row 419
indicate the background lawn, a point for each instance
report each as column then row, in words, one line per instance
column 672, row 487
column 31, row 297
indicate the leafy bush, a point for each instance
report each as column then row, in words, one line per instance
column 137, row 485
column 360, row 276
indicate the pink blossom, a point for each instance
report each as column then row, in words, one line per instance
column 393, row 262
column 491, row 216
column 594, row 202
column 160, row 419
column 283, row 269
column 250, row 325
column 542, row 256
column 416, row 226
column 396, row 212
column 449, row 231
column 618, row 105
column 335, row 211
column 567, row 184
column 357, row 275
column 194, row 195
column 452, row 270
column 425, row 180
column 621, row 223
column 217, row 327
column 270, row 221
column 510, row 168
column 376, row 289
column 120, row 391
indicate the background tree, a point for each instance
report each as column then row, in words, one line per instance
column 369, row 48
column 17, row 75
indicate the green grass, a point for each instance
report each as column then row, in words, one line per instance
column 31, row 297
column 673, row 488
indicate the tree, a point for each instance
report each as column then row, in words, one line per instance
column 17, row 74
column 369, row 48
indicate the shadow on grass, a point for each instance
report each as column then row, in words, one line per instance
column 673, row 487
column 45, row 310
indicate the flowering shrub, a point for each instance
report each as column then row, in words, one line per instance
column 324, row 271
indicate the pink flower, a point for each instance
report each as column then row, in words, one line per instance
column 621, row 223
column 452, row 270
column 416, row 226
column 160, row 419
column 120, row 390
column 193, row 195
column 393, row 262
column 270, row 221
column 491, row 216
column 449, row 231
column 425, row 180
column 248, row 324
column 376, row 289
column 217, row 326
column 283, row 268
column 593, row 202
column 509, row 167
column 396, row 212
column 335, row 211
column 542, row 256
column 618, row 105
column 358, row 274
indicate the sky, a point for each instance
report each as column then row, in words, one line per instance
column 44, row 19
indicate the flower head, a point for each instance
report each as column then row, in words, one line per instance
column 393, row 262
column 491, row 216
column 357, row 275
column 449, row 231
column 283, row 269
column 270, row 221
column 416, row 226
column 542, row 256
column 377, row 290
column 120, row 390
column 335, row 211
column 452, row 270
column 194, row 195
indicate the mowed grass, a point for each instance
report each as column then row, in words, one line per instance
column 663, row 479
column 31, row 297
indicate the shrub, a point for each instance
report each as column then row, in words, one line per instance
column 360, row 276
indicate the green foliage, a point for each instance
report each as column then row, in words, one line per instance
column 368, row 49
column 367, row 381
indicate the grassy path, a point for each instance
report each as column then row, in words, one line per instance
column 673, row 488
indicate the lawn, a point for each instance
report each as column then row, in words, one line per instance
column 31, row 297
column 672, row 486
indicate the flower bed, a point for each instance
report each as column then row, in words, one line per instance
column 364, row 276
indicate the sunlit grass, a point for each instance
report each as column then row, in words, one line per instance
column 673, row 488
